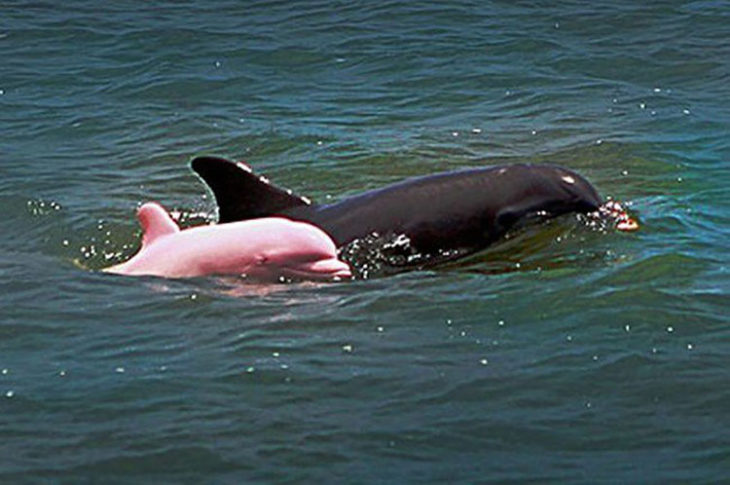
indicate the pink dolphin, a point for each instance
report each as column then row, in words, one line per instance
column 267, row 248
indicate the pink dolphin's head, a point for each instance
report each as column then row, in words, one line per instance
column 293, row 250
column 267, row 249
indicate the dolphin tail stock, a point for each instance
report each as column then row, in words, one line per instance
column 241, row 194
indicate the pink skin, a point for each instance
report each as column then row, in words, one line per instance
column 263, row 249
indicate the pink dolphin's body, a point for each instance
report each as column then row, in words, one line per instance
column 267, row 248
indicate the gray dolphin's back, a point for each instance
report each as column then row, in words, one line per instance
column 456, row 210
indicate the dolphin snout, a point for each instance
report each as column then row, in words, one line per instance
column 324, row 269
column 331, row 267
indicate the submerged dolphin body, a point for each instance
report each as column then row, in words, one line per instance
column 444, row 216
column 263, row 249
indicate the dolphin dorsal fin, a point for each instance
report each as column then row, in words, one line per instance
column 155, row 222
column 240, row 193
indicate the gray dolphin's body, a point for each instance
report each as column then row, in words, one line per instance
column 451, row 213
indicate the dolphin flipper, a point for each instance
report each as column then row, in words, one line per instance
column 240, row 193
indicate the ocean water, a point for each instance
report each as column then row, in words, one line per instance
column 564, row 355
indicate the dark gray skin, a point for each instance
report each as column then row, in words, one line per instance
column 457, row 213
